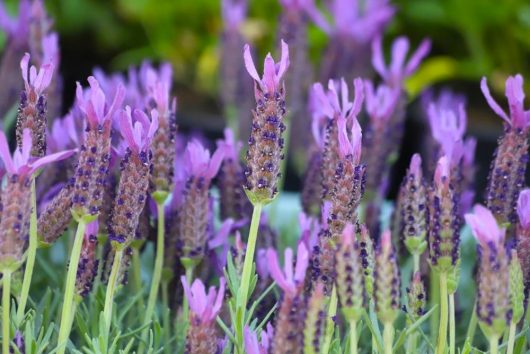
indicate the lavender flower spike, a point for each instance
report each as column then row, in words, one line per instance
column 88, row 262
column 508, row 168
column 32, row 108
column 253, row 346
column 134, row 180
column 493, row 303
column 202, row 334
column 199, row 168
column 16, row 208
column 386, row 280
column 288, row 332
column 523, row 235
column 266, row 143
column 93, row 164
column 399, row 69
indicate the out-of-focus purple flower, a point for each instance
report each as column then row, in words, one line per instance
column 523, row 209
column 272, row 73
column 518, row 118
column 233, row 13
column 448, row 127
column 335, row 102
column 255, row 346
column 290, row 280
column 381, row 102
column 199, row 163
column 22, row 165
column 95, row 106
column 309, row 229
column 221, row 241
column 139, row 134
column 204, row 306
column 50, row 48
column 484, row 226
column 358, row 19
column 16, row 28
column 399, row 69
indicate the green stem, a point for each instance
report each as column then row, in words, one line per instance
column 137, row 278
column 6, row 299
column 452, row 324
column 66, row 312
column 435, row 301
column 166, row 311
column 388, row 337
column 470, row 334
column 511, row 337
column 111, row 289
column 416, row 258
column 157, row 273
column 243, row 292
column 442, row 329
column 32, row 253
column 183, row 328
column 494, row 345
column 411, row 343
column 353, row 337
column 330, row 323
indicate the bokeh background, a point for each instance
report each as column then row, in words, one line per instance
column 470, row 39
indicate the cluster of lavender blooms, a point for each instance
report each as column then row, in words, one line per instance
column 117, row 166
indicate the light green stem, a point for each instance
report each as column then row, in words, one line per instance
column 243, row 292
column 435, row 301
column 30, row 261
column 166, row 311
column 157, row 273
column 388, row 337
column 411, row 343
column 416, row 258
column 442, row 332
column 470, row 334
column 511, row 337
column 494, row 345
column 111, row 289
column 137, row 278
column 452, row 324
column 66, row 312
column 6, row 302
column 330, row 323
column 353, row 337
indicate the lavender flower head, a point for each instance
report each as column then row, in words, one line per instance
column 399, row 69
column 32, row 108
column 289, row 279
column 493, row 304
column 381, row 102
column 88, row 262
column 135, row 168
column 255, row 346
column 266, row 143
column 386, row 280
column 508, row 168
column 202, row 335
column 93, row 164
column 200, row 168
column 16, row 206
column 16, row 28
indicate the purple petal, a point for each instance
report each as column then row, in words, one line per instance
column 251, row 341
column 302, row 261
column 378, row 60
column 249, row 64
column 358, row 96
column 58, row 156
column 5, row 154
column 492, row 103
column 400, row 47
column 284, row 61
column 220, row 296
column 523, row 208
column 417, row 57
column 125, row 122
column 275, row 271
column 215, row 163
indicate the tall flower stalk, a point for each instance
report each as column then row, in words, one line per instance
column 90, row 177
column 264, row 155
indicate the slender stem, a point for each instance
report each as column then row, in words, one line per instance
column 243, row 292
column 111, row 289
column 435, row 301
column 184, row 315
column 353, row 337
column 66, row 312
column 412, row 342
column 511, row 337
column 388, row 337
column 166, row 311
column 157, row 273
column 32, row 252
column 494, row 344
column 452, row 324
column 6, row 299
column 416, row 258
column 442, row 332
column 137, row 278
column 470, row 334
column 330, row 323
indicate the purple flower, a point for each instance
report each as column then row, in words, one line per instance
column 335, row 102
column 233, row 12
column 484, row 226
column 448, row 127
column 523, row 208
column 230, row 146
column 205, row 306
column 253, row 345
column 17, row 28
column 288, row 279
column 272, row 73
column 50, row 49
column 199, row 163
column 139, row 134
column 398, row 70
column 63, row 134
column 441, row 175
column 358, row 19
column 22, row 164
column 350, row 144
column 519, row 118
column 94, row 104
column 381, row 102
column 158, row 86
column 37, row 81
